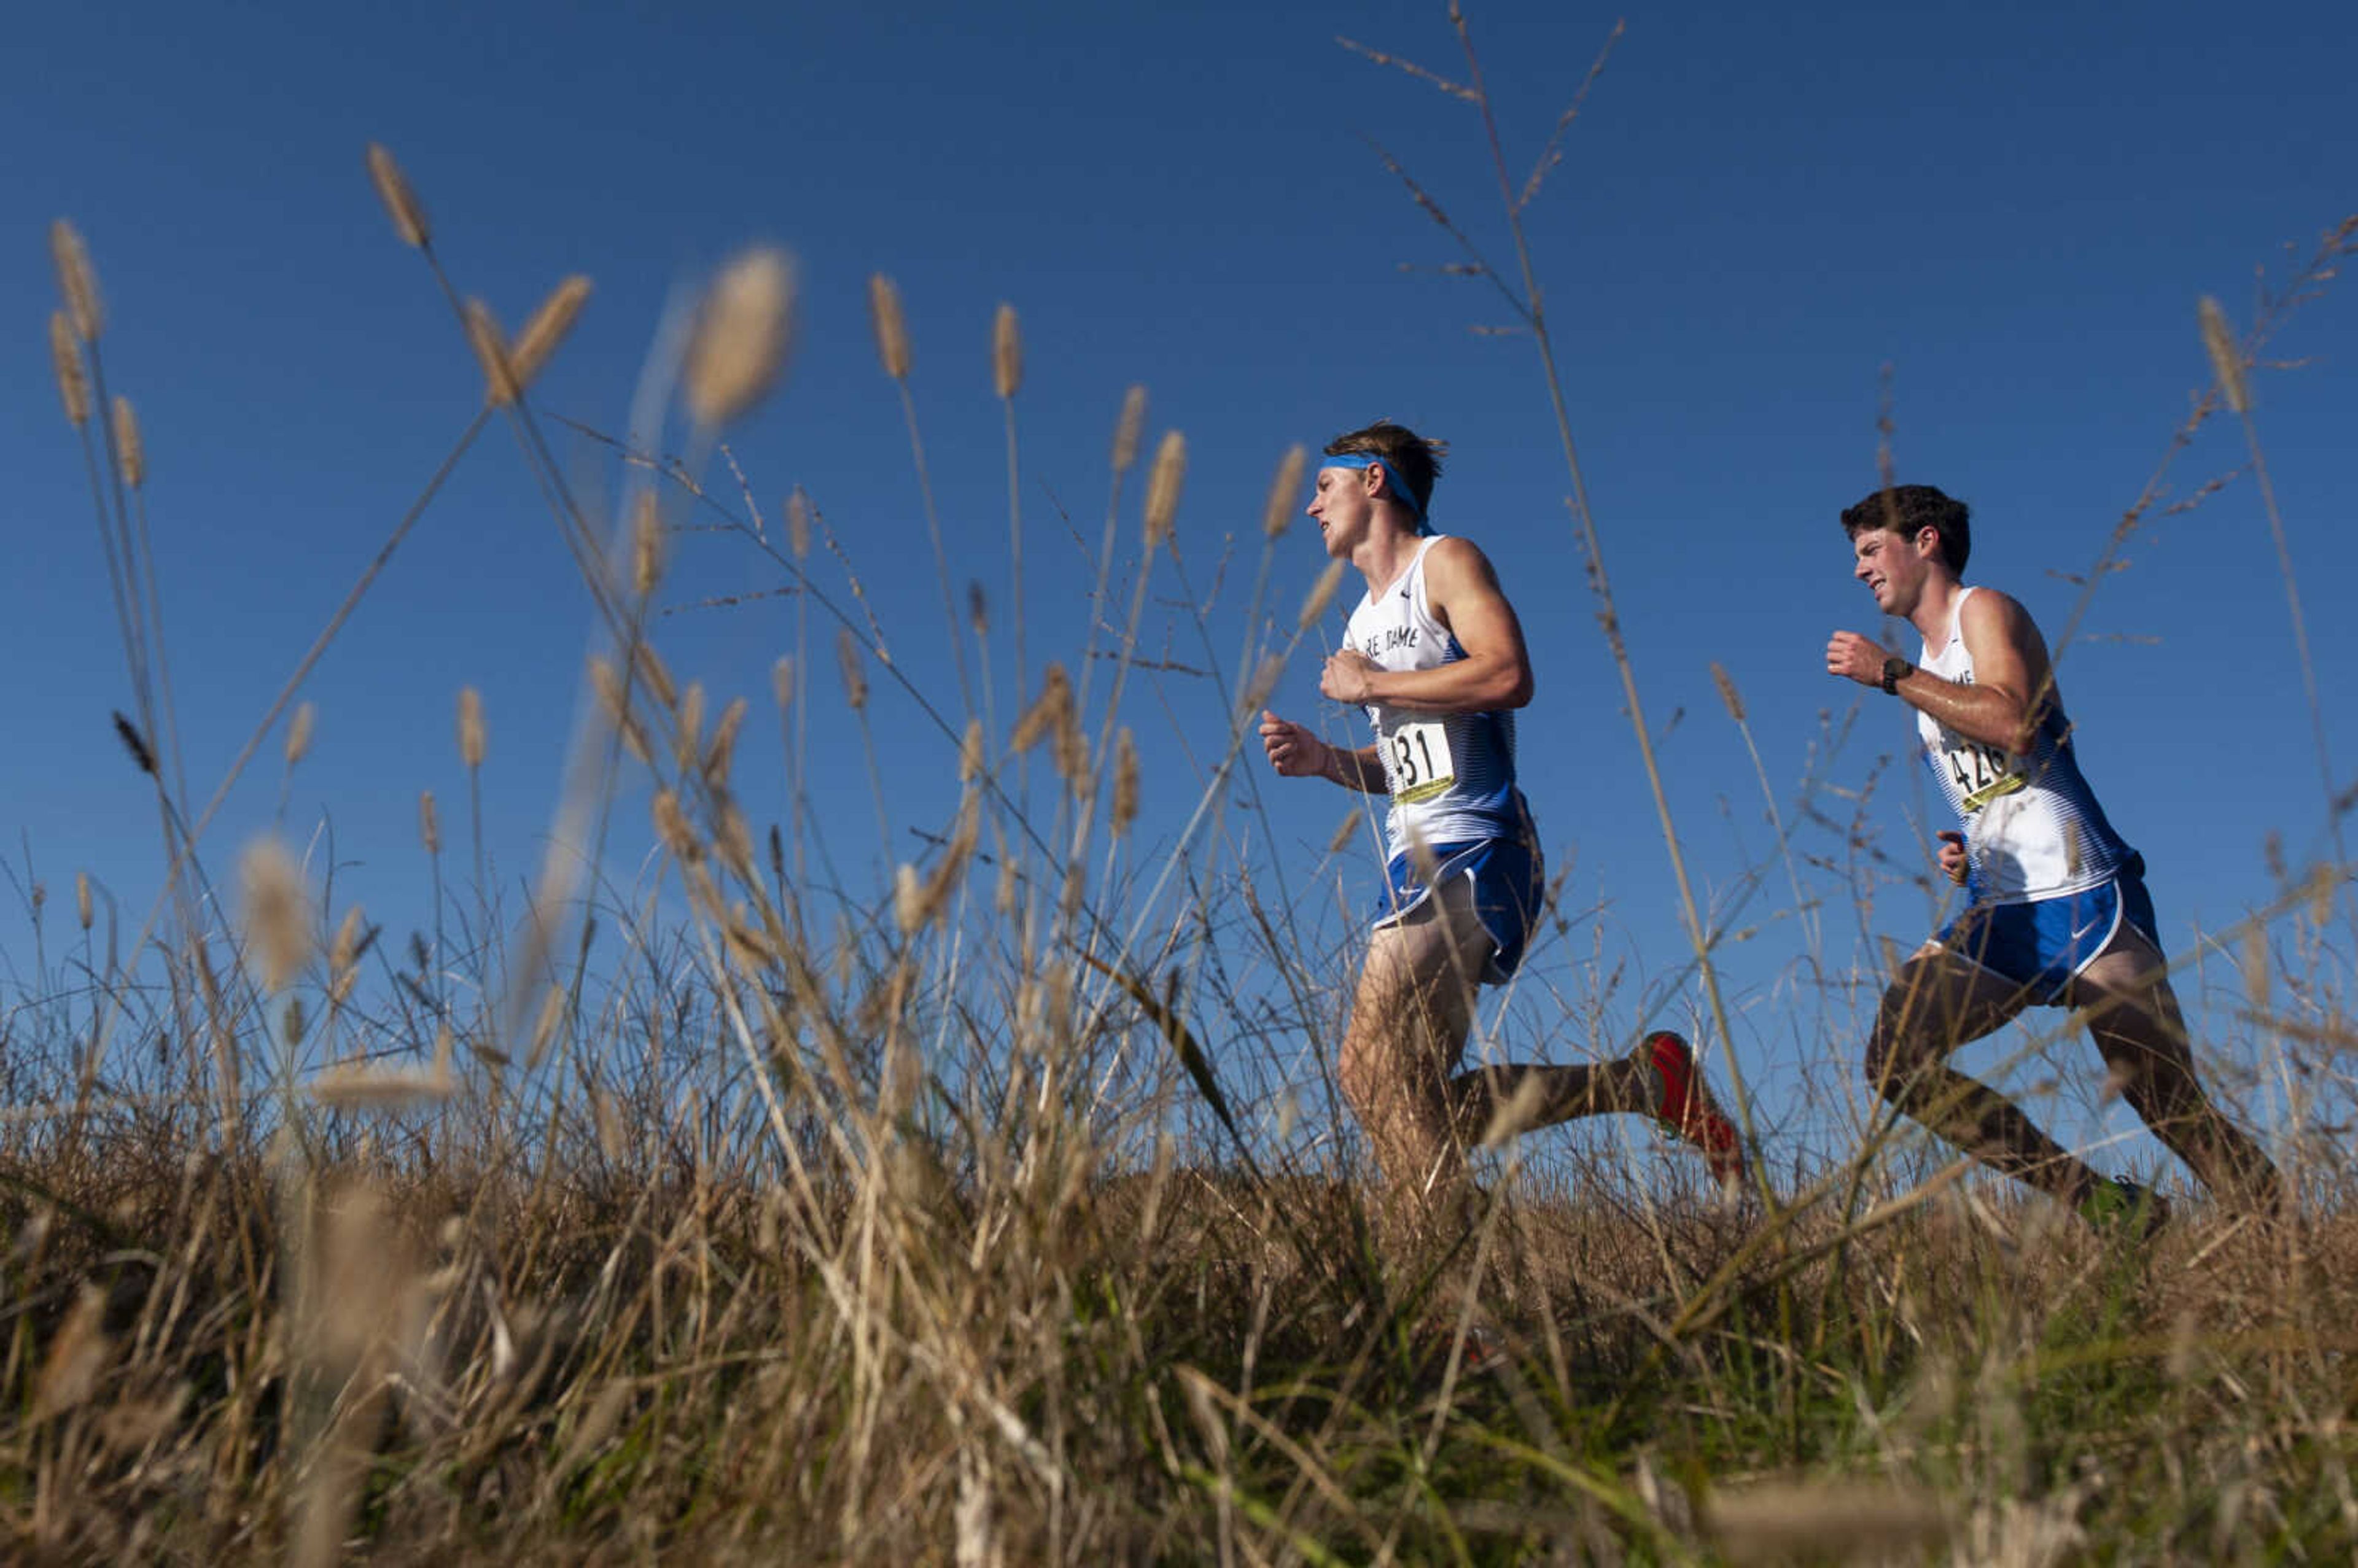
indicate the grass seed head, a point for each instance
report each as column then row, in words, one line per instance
column 1125, row 782
column 343, row 956
column 908, row 898
column 277, row 918
column 130, row 452
column 1346, row 830
column 1283, row 490
column 70, row 1373
column 143, row 756
column 82, row 899
column 298, row 732
column 430, row 823
column 1827, row 1521
column 1322, row 594
column 547, row 328
column 401, row 203
column 607, row 683
column 743, row 335
column 1170, row 471
column 474, row 736
column 1727, row 692
column 2226, row 360
column 690, row 740
column 1047, row 710
column 722, row 753
column 1006, row 353
column 65, row 359
column 1263, row 682
column 1128, row 429
column 798, row 524
column 855, row 678
column 672, row 828
column 891, row 326
column 646, row 543
column 732, row 838
column 544, row 1027
column 782, row 684
column 970, row 753
column 77, row 283
column 490, row 346
column 656, row 675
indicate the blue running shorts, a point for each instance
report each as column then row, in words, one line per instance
column 1510, row 882
column 2040, row 944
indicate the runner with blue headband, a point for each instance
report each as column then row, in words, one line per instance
column 1435, row 656
column 1400, row 489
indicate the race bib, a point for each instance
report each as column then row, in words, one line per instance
column 1417, row 762
column 1980, row 773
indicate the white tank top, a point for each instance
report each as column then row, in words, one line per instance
column 2033, row 828
column 1452, row 777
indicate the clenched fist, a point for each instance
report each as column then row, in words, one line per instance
column 1294, row 750
column 1860, row 658
column 1346, row 677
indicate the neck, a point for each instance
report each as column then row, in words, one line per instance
column 1934, row 606
column 1386, row 552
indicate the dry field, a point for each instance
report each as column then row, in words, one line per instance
column 798, row 1221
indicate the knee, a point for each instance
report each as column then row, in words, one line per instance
column 1361, row 1067
column 1899, row 1046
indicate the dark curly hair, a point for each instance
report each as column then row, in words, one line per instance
column 1907, row 509
column 1416, row 461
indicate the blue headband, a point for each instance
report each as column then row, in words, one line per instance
column 1401, row 490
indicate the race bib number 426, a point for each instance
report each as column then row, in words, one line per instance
column 1980, row 773
column 1416, row 758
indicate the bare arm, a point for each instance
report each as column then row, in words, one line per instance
column 2011, row 685
column 1296, row 752
column 1462, row 590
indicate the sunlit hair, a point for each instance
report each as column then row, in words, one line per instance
column 1907, row 509
column 1414, row 459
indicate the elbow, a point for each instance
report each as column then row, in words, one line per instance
column 1515, row 689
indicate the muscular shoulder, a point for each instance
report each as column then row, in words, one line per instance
column 1989, row 614
column 1454, row 563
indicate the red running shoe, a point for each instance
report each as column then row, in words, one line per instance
column 1683, row 1105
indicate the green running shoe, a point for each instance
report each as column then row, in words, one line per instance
column 2125, row 1210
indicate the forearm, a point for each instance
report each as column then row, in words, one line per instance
column 1465, row 685
column 1359, row 770
column 1988, row 714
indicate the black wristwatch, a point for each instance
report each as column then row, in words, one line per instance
column 1894, row 670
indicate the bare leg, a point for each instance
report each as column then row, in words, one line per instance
column 1936, row 1003
column 1505, row 1100
column 1409, row 1021
column 2132, row 1013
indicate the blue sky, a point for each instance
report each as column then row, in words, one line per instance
column 2015, row 209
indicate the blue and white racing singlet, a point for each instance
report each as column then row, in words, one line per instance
column 2033, row 828
column 1452, row 777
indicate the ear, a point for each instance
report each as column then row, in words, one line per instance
column 1378, row 479
column 1927, row 544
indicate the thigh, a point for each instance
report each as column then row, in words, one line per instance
column 1422, row 973
column 1939, row 995
column 2129, row 1005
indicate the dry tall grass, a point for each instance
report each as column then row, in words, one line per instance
column 780, row 1218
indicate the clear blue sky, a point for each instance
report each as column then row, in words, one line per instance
column 2015, row 207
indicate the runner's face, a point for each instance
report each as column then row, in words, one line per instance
column 1341, row 502
column 1892, row 568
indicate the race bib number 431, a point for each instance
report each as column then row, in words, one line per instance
column 1416, row 758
